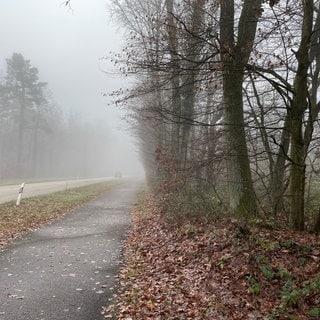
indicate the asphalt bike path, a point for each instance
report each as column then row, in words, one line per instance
column 66, row 270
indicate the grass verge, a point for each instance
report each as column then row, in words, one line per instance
column 35, row 212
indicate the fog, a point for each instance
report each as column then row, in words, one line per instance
column 81, row 133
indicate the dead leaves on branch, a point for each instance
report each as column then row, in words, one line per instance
column 201, row 271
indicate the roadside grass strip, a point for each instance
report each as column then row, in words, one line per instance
column 37, row 211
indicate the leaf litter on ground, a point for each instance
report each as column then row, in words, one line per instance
column 203, row 270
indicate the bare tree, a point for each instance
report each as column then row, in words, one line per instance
column 235, row 53
column 297, row 111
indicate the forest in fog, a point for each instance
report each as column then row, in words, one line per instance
column 38, row 140
column 226, row 103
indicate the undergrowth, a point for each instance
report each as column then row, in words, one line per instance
column 206, row 269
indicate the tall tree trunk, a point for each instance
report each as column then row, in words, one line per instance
column 234, row 57
column 191, row 65
column 277, row 181
column 35, row 144
column 277, row 165
column 173, row 47
column 211, row 137
column 242, row 198
column 21, row 125
column 299, row 104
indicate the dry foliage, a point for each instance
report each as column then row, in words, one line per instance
column 197, row 270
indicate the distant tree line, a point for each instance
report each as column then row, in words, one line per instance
column 36, row 140
column 225, row 103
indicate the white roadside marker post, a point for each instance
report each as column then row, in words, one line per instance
column 20, row 194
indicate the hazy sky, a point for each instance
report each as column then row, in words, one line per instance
column 66, row 45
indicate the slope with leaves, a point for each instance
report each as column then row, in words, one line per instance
column 204, row 270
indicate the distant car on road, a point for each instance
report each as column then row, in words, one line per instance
column 118, row 175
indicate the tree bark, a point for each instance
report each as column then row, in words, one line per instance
column 234, row 57
column 173, row 48
column 191, row 65
column 299, row 105
column 277, row 181
column 21, row 129
column 277, row 164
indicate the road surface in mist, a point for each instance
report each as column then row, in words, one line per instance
column 9, row 193
column 66, row 270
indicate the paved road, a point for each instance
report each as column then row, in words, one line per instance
column 66, row 270
column 9, row 193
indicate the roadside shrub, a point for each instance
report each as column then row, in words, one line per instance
column 191, row 201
